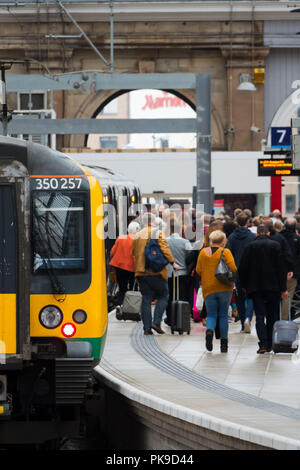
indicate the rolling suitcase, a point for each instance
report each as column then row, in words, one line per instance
column 131, row 307
column 285, row 335
column 180, row 312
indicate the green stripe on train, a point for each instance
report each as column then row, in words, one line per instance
column 97, row 344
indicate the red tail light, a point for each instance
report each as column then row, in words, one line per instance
column 68, row 330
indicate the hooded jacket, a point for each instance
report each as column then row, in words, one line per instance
column 237, row 242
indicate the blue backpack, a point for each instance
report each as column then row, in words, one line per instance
column 155, row 260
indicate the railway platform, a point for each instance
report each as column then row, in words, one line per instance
column 168, row 393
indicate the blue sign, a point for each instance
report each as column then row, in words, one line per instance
column 281, row 137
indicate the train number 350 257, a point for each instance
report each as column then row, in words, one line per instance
column 57, row 183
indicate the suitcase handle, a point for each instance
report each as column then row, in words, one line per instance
column 289, row 309
column 175, row 290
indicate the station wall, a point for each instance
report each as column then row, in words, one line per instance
column 174, row 173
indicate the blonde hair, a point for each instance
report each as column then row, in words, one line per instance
column 216, row 225
column 217, row 237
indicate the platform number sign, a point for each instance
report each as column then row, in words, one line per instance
column 281, row 137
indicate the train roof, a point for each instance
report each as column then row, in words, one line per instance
column 38, row 159
column 105, row 174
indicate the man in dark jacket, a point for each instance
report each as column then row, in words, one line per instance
column 293, row 240
column 285, row 248
column 237, row 242
column 262, row 274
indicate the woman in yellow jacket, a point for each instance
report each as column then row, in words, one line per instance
column 217, row 295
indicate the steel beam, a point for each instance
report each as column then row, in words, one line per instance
column 295, row 122
column 16, row 3
column 100, row 81
column 204, row 189
column 100, row 126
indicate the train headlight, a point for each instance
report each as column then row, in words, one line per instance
column 51, row 316
column 79, row 316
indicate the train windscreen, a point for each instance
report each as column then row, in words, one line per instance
column 59, row 236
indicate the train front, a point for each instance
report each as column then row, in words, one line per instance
column 53, row 310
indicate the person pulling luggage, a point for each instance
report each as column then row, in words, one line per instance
column 263, row 277
column 179, row 248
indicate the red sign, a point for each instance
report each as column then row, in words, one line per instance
column 166, row 101
column 219, row 203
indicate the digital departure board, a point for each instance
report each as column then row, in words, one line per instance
column 276, row 167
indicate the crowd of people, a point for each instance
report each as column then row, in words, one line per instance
column 262, row 253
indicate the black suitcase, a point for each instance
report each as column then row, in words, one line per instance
column 285, row 335
column 180, row 312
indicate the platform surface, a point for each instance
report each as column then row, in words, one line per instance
column 243, row 394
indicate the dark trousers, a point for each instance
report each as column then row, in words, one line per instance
column 241, row 304
column 125, row 281
column 153, row 287
column 267, row 308
column 182, row 295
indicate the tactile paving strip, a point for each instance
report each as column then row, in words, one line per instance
column 149, row 349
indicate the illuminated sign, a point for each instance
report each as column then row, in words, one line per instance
column 165, row 101
column 276, row 167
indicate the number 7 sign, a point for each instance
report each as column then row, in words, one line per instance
column 281, row 137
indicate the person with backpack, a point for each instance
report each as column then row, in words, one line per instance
column 152, row 256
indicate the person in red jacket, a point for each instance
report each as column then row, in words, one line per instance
column 122, row 260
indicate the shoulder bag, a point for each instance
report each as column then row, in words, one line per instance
column 223, row 273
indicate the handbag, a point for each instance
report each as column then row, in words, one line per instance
column 223, row 273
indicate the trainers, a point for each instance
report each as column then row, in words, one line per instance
column 158, row 329
column 148, row 332
column 209, row 340
column 247, row 326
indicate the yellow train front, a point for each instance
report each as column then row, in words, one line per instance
column 53, row 303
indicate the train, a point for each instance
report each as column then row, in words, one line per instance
column 53, row 286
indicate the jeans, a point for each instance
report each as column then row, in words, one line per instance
column 217, row 306
column 244, row 305
column 266, row 306
column 153, row 287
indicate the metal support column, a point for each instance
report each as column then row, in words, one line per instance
column 204, row 189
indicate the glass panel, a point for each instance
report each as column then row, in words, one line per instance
column 58, row 231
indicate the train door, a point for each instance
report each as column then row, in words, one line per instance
column 123, row 211
column 14, row 262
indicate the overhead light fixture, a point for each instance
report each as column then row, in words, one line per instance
column 246, row 83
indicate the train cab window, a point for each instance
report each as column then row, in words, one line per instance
column 59, row 235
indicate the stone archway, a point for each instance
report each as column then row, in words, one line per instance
column 92, row 104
